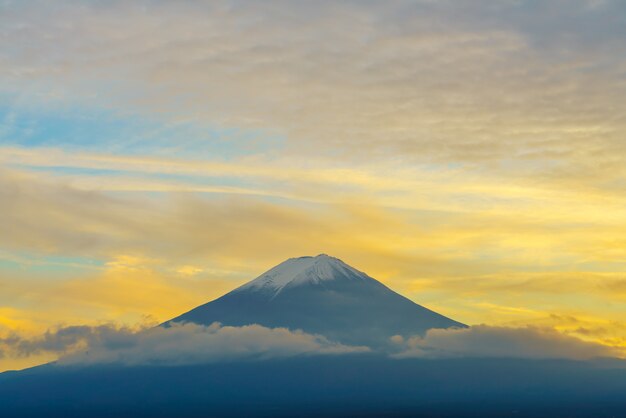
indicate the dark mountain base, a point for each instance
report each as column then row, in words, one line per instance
column 357, row 386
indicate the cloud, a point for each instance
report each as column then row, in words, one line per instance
column 41, row 215
column 527, row 83
column 179, row 344
column 193, row 344
column 67, row 220
column 491, row 341
column 63, row 339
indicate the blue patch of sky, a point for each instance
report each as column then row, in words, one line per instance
column 187, row 179
column 48, row 265
column 104, row 131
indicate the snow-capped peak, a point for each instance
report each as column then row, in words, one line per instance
column 302, row 270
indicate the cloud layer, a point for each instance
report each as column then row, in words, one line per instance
column 176, row 345
column 195, row 344
column 434, row 81
column 500, row 342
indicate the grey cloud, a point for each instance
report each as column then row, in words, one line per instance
column 178, row 344
column 65, row 339
column 493, row 341
column 193, row 344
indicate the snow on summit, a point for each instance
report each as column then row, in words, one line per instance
column 301, row 270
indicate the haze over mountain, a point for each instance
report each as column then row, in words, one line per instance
column 321, row 295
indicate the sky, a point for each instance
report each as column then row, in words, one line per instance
column 157, row 154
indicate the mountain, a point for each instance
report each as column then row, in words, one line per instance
column 321, row 295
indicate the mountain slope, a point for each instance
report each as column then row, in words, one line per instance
column 321, row 295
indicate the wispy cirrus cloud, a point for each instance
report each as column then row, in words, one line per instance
column 433, row 81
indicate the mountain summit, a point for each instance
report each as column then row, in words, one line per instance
column 302, row 271
column 321, row 295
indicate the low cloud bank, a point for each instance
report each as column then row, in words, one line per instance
column 502, row 342
column 194, row 344
column 176, row 345
column 65, row 340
